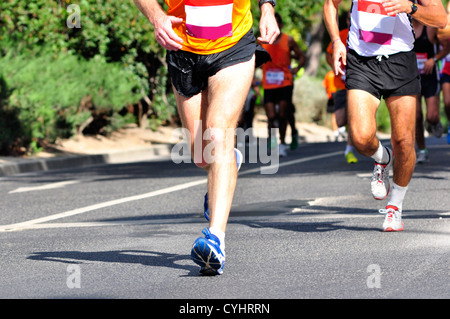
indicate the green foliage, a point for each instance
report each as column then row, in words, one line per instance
column 383, row 118
column 56, row 94
column 65, row 79
column 11, row 130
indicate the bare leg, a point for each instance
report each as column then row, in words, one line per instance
column 403, row 123
column 420, row 138
column 218, row 108
column 361, row 109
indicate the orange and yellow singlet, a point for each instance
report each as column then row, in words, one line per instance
column 210, row 26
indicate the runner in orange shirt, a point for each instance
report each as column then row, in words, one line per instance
column 278, row 83
column 211, row 59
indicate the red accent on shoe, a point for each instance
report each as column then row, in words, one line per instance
column 392, row 206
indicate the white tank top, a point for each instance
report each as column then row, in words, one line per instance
column 373, row 32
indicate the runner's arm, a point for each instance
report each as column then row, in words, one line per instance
column 445, row 49
column 298, row 55
column 430, row 64
column 268, row 25
column 330, row 14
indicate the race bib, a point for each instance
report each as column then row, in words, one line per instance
column 375, row 24
column 209, row 19
column 274, row 76
column 421, row 59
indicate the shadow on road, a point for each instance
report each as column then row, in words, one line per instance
column 146, row 258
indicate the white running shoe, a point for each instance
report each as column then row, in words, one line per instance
column 282, row 150
column 393, row 219
column 380, row 179
column 422, row 156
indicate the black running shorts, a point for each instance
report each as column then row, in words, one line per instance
column 445, row 78
column 279, row 94
column 340, row 100
column 431, row 85
column 395, row 75
column 190, row 71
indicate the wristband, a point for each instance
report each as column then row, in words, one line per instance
column 413, row 9
column 332, row 43
column 272, row 2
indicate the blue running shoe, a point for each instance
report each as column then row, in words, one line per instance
column 448, row 134
column 207, row 254
column 239, row 160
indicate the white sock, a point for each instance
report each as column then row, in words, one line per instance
column 221, row 235
column 381, row 155
column 348, row 148
column 397, row 196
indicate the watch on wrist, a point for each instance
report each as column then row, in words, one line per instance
column 413, row 8
column 272, row 2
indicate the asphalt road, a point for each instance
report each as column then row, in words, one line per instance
column 312, row 230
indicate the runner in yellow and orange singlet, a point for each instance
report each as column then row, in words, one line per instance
column 211, row 58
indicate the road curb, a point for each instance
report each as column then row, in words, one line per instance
column 12, row 166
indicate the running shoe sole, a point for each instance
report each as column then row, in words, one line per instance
column 205, row 255
column 390, row 229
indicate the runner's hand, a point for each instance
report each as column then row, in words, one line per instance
column 164, row 33
column 394, row 7
column 339, row 57
column 429, row 67
column 268, row 26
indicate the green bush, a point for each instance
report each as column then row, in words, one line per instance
column 57, row 95
column 66, row 80
column 10, row 126
column 383, row 118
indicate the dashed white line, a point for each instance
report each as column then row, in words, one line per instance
column 43, row 187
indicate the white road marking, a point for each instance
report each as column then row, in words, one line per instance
column 31, row 223
column 43, row 187
column 27, row 224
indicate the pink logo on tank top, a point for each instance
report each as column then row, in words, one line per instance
column 375, row 25
column 209, row 19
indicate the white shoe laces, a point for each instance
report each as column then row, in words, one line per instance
column 391, row 214
column 379, row 172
